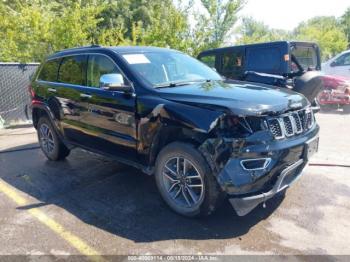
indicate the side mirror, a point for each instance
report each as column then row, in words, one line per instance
column 114, row 82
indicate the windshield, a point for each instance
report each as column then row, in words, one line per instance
column 169, row 68
column 305, row 56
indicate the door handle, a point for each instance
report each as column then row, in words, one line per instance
column 85, row 96
column 53, row 90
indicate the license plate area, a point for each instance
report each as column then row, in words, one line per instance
column 311, row 147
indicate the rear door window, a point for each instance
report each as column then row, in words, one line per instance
column 73, row 70
column 49, row 71
column 264, row 59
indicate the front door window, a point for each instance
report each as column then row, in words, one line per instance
column 99, row 65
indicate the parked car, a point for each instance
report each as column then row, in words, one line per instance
column 336, row 93
column 293, row 65
column 338, row 65
column 170, row 115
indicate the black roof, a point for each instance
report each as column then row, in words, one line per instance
column 116, row 49
column 214, row 50
column 128, row 49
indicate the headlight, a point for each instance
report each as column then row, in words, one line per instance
column 234, row 126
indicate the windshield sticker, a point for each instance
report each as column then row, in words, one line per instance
column 136, row 59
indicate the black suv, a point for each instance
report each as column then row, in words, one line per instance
column 168, row 114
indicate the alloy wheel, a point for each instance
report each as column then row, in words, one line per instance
column 183, row 182
column 46, row 139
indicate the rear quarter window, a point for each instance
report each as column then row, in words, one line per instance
column 49, row 71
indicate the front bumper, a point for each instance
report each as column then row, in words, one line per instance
column 245, row 188
column 246, row 204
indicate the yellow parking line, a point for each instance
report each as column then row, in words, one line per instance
column 72, row 239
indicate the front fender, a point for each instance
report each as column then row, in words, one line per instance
column 169, row 112
column 160, row 118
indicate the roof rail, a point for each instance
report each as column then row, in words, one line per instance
column 79, row 47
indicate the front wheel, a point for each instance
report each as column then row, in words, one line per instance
column 185, row 181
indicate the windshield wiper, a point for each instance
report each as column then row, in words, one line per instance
column 181, row 83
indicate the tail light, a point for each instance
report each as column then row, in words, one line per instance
column 347, row 91
column 31, row 91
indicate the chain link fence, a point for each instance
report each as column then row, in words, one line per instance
column 14, row 95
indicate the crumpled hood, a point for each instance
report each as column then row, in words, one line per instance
column 241, row 98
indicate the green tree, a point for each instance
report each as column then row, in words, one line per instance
column 76, row 26
column 326, row 31
column 168, row 27
column 146, row 22
column 24, row 33
column 252, row 31
column 29, row 30
column 345, row 22
column 213, row 26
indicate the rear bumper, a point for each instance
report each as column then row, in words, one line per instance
column 246, row 204
column 334, row 98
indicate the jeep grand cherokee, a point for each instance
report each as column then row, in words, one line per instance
column 204, row 138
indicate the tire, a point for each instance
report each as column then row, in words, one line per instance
column 309, row 84
column 208, row 197
column 50, row 143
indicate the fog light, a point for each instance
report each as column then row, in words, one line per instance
column 255, row 164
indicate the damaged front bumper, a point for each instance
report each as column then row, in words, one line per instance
column 246, row 204
column 254, row 169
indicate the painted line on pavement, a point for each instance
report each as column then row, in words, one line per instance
column 72, row 239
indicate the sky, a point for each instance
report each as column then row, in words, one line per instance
column 287, row 14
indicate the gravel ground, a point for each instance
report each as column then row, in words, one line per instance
column 116, row 210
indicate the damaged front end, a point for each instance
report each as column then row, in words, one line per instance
column 253, row 158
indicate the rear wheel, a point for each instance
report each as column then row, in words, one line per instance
column 50, row 143
column 185, row 181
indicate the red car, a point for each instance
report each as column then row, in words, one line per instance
column 336, row 92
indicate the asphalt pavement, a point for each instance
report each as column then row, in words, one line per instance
column 91, row 205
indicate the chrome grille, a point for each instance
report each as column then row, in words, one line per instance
column 275, row 127
column 298, row 123
column 308, row 119
column 288, row 126
column 291, row 124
